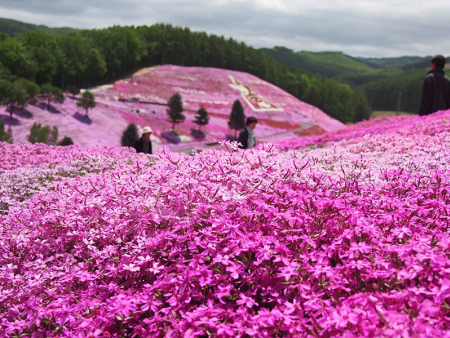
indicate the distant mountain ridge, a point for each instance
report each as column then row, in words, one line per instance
column 402, row 62
column 14, row 28
column 346, row 68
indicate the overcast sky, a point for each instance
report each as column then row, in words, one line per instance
column 371, row 28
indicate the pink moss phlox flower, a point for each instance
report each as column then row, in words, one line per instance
column 347, row 238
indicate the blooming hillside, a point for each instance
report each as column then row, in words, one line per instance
column 142, row 100
column 383, row 124
column 347, row 239
column 216, row 90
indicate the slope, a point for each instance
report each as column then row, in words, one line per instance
column 142, row 100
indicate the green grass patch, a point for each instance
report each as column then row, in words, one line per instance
column 389, row 113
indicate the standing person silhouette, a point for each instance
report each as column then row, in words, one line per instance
column 247, row 135
column 144, row 145
column 435, row 88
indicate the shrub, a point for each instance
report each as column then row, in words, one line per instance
column 5, row 136
column 66, row 141
column 43, row 134
column 129, row 136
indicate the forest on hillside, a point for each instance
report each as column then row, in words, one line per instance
column 381, row 80
column 86, row 58
column 15, row 28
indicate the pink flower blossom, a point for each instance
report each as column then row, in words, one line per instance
column 347, row 238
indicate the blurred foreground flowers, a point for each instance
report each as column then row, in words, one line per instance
column 348, row 238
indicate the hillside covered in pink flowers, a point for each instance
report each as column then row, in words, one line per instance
column 142, row 100
column 339, row 235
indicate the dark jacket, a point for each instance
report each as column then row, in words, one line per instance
column 139, row 146
column 435, row 92
column 243, row 138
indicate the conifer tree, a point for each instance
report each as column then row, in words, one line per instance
column 175, row 110
column 201, row 118
column 237, row 117
column 129, row 136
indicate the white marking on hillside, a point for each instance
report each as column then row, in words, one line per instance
column 255, row 101
column 190, row 91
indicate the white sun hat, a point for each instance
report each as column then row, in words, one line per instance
column 147, row 129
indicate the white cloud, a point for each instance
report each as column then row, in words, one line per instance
column 274, row 5
column 356, row 27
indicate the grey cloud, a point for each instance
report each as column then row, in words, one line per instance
column 352, row 30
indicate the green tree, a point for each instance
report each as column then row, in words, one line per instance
column 237, row 117
column 5, row 91
column 72, row 66
column 201, row 117
column 13, row 56
column 50, row 93
column 87, row 100
column 19, row 97
column 74, row 90
column 5, row 136
column 40, row 50
column 95, row 66
column 43, row 134
column 360, row 106
column 66, row 141
column 129, row 136
column 336, row 100
column 175, row 110
column 312, row 95
column 12, row 95
column 120, row 47
column 5, row 73
column 31, row 89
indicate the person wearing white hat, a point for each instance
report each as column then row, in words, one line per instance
column 144, row 145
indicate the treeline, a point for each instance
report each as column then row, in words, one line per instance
column 91, row 57
column 383, row 94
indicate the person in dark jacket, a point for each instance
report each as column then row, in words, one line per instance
column 144, row 144
column 435, row 89
column 247, row 135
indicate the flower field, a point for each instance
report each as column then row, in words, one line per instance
column 215, row 89
column 339, row 235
